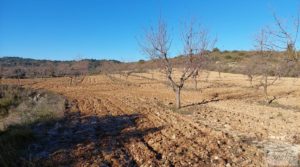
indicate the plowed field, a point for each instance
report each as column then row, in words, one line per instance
column 133, row 122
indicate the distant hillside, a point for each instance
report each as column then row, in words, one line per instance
column 221, row 61
column 27, row 68
column 225, row 61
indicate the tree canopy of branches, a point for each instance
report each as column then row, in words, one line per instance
column 284, row 38
column 196, row 44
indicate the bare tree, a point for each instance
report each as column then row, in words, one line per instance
column 52, row 70
column 265, row 65
column 219, row 67
column 79, row 71
column 268, row 63
column 77, row 78
column 202, row 45
column 127, row 74
column 157, row 46
column 284, row 37
column 207, row 75
column 250, row 78
column 19, row 74
column 249, row 69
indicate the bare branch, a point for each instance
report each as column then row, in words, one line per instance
column 196, row 44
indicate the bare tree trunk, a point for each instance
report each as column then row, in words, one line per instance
column 250, row 80
column 196, row 83
column 71, row 81
column 266, row 87
column 19, row 81
column 178, row 100
column 76, row 80
column 152, row 75
column 266, row 91
column 207, row 76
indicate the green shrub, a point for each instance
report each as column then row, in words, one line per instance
column 228, row 57
column 216, row 50
column 10, row 97
column 5, row 103
column 233, row 57
column 141, row 61
column 27, row 108
column 242, row 54
column 43, row 115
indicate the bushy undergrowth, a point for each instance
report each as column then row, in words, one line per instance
column 20, row 111
column 10, row 96
column 13, row 143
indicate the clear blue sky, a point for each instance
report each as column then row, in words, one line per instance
column 107, row 29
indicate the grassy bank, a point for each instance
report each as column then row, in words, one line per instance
column 21, row 111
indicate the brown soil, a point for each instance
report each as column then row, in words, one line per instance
column 132, row 122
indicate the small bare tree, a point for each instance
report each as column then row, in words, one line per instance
column 249, row 69
column 79, row 71
column 157, row 46
column 77, row 78
column 219, row 67
column 265, row 64
column 207, row 75
column 19, row 74
column 127, row 74
column 250, row 78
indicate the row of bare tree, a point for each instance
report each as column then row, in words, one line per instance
column 197, row 44
column 278, row 41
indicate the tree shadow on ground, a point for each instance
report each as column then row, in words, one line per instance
column 201, row 103
column 79, row 138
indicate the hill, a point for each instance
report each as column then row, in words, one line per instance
column 221, row 61
column 13, row 67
